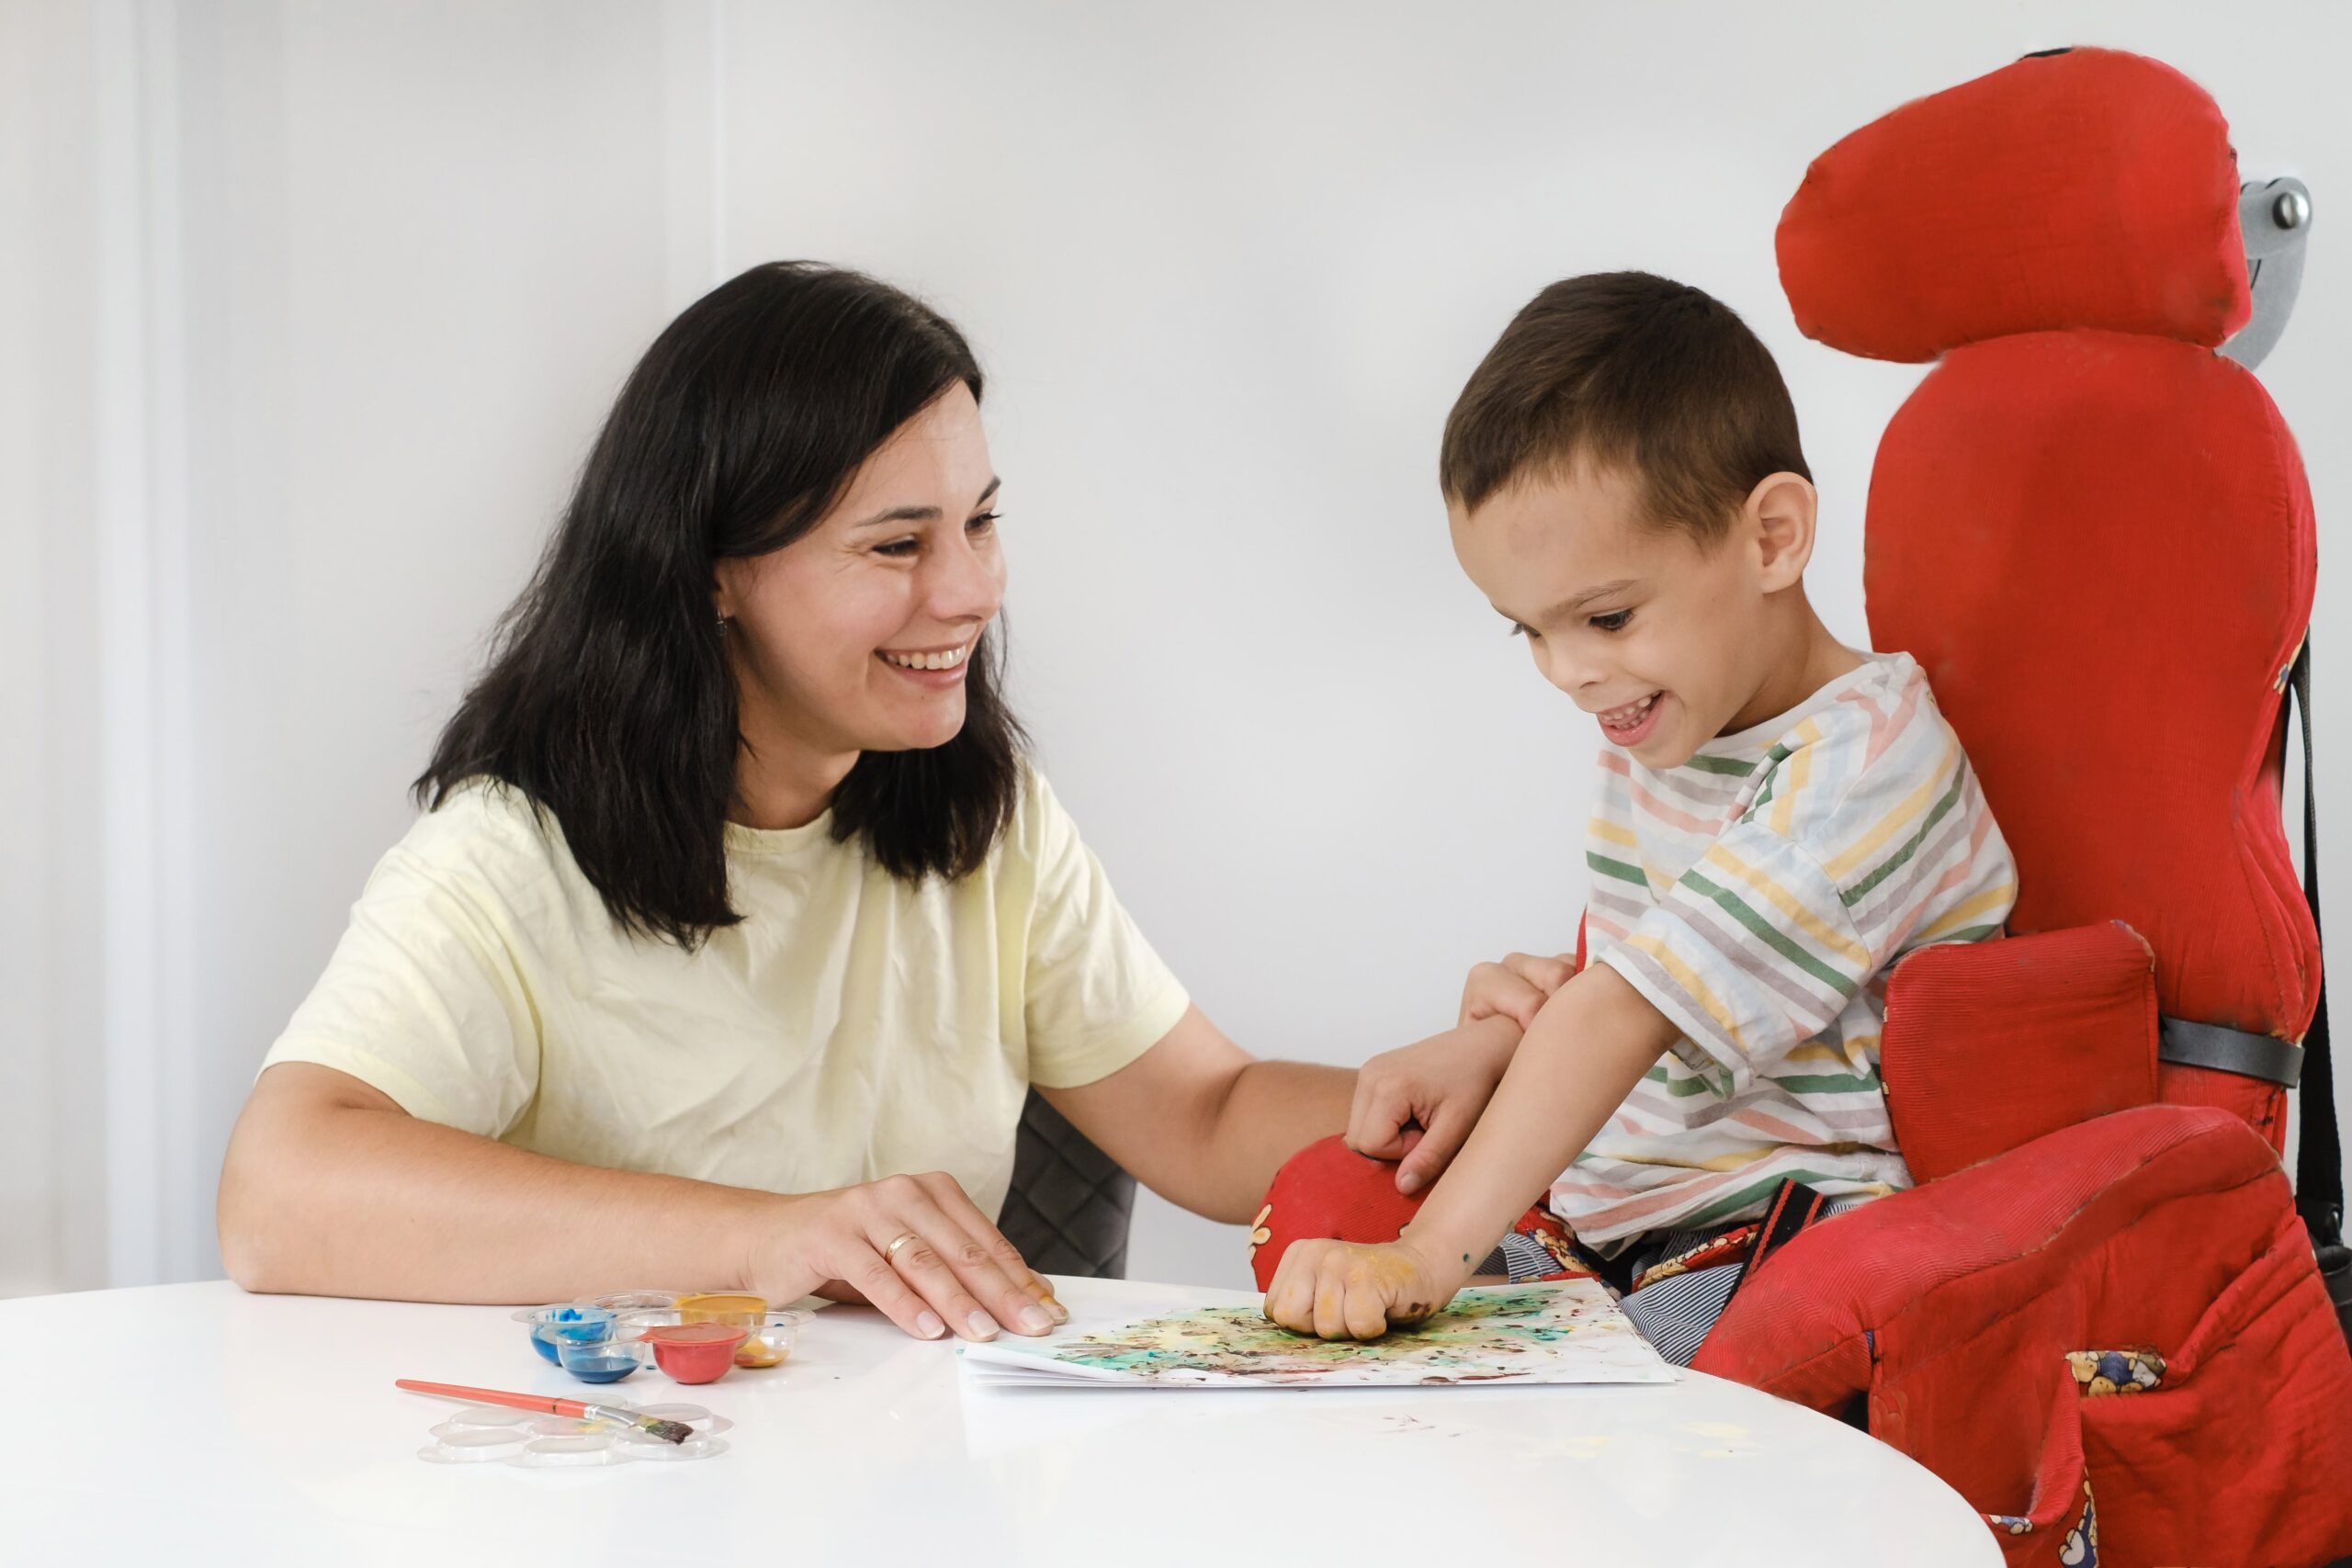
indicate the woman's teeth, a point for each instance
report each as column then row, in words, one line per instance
column 947, row 661
column 1630, row 715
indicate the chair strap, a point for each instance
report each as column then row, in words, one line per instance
column 2229, row 1050
column 2319, row 1160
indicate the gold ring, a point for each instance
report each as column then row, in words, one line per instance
column 891, row 1251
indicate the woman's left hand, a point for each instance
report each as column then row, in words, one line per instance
column 1416, row 1104
column 1341, row 1290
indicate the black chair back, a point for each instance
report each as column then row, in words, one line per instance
column 1070, row 1204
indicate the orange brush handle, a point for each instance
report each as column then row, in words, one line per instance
column 496, row 1396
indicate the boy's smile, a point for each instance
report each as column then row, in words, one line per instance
column 1636, row 722
column 1667, row 642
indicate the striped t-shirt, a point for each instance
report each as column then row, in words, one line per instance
column 1756, row 895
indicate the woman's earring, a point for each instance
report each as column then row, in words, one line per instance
column 722, row 625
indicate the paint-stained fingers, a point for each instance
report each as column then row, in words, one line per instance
column 1363, row 1313
column 1290, row 1300
column 1026, row 1302
column 1331, row 1299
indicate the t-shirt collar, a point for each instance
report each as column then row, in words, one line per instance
column 1751, row 744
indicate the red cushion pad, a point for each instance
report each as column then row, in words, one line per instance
column 1950, row 1306
column 2260, row 1103
column 1328, row 1190
column 2099, row 547
column 2086, row 189
column 1990, row 1045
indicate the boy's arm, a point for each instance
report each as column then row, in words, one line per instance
column 1589, row 1047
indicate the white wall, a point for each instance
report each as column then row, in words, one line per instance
column 383, row 265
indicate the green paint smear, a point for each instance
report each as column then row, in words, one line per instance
column 1466, row 1335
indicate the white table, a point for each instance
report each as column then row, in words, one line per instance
column 195, row 1424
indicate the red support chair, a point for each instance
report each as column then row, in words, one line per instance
column 2099, row 1315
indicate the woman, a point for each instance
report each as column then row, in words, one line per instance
column 737, row 903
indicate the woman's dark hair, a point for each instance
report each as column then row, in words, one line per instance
column 609, row 699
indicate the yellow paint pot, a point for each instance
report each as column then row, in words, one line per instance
column 736, row 1309
column 772, row 1338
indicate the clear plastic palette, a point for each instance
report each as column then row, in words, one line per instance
column 492, row 1434
column 606, row 1339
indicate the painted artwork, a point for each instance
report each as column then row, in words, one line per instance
column 1569, row 1332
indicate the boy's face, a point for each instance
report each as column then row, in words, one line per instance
column 1663, row 640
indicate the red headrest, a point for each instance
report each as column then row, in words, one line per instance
column 2087, row 188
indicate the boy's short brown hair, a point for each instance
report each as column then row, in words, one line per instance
column 1633, row 371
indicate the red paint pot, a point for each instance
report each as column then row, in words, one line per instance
column 694, row 1352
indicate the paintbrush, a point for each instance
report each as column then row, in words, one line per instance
column 580, row 1409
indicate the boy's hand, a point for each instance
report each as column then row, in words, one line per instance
column 1416, row 1104
column 1339, row 1290
column 1516, row 988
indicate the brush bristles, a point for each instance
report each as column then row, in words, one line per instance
column 668, row 1431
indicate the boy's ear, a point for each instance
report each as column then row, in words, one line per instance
column 1780, row 512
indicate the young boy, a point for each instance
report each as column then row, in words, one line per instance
column 1780, row 819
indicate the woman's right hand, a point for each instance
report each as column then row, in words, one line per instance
column 950, row 1270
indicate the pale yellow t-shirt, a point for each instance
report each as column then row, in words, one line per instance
column 851, row 1027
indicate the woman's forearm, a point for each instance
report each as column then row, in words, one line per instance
column 1202, row 1123
column 1272, row 1111
column 325, row 1192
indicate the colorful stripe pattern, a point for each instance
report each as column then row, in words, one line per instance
column 1755, row 895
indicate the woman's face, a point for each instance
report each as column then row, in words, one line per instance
column 856, row 637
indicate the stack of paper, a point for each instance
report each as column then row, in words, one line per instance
column 1566, row 1333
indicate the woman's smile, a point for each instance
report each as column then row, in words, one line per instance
column 936, row 668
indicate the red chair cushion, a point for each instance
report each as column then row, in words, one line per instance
column 2099, row 547
column 1949, row 1306
column 1990, row 1045
column 2091, row 188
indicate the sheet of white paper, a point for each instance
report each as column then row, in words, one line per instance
column 1570, row 1332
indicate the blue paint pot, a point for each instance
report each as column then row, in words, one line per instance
column 604, row 1360
column 575, row 1322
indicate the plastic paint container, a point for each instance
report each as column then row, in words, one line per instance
column 608, row 1360
column 771, row 1333
column 768, row 1336
column 474, row 1445
column 726, row 1307
column 580, row 1321
column 694, row 1352
column 638, row 1300
column 585, row 1449
column 772, row 1339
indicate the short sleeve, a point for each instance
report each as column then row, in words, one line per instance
column 1096, row 996
column 1869, row 847
column 425, row 998
column 1751, row 954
